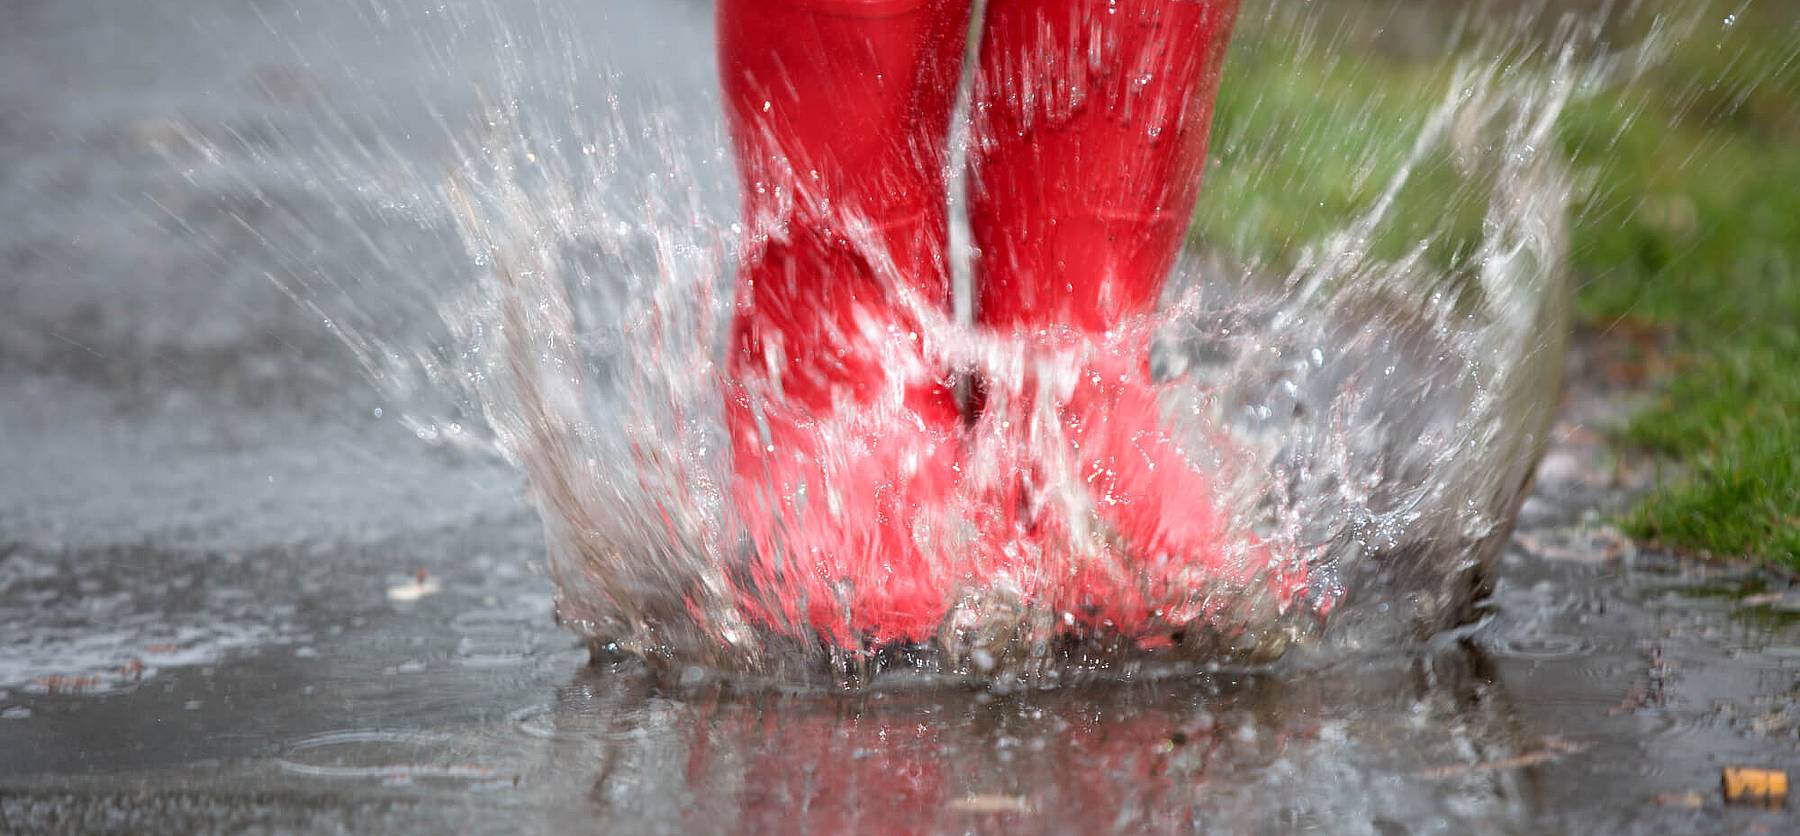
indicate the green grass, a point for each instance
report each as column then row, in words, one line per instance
column 1306, row 137
column 1730, row 421
column 1690, row 226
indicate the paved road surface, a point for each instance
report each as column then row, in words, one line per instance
column 211, row 547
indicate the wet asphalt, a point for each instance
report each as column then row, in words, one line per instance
column 236, row 594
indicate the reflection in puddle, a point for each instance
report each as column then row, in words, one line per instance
column 1423, row 739
column 1588, row 692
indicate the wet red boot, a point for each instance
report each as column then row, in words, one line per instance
column 844, row 434
column 1091, row 123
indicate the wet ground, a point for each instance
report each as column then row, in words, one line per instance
column 234, row 595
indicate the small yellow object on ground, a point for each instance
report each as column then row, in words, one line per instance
column 1749, row 784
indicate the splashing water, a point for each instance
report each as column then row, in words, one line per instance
column 1373, row 420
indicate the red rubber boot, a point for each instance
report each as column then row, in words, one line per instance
column 1091, row 123
column 844, row 434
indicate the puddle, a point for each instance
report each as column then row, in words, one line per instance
column 101, row 624
column 150, row 681
column 390, row 757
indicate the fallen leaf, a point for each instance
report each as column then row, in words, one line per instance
column 991, row 804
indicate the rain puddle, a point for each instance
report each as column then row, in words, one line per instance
column 524, row 238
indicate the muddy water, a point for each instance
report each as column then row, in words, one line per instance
column 235, row 594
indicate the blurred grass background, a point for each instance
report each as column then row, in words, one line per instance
column 1685, row 238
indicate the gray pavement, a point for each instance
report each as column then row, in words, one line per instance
column 233, row 598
